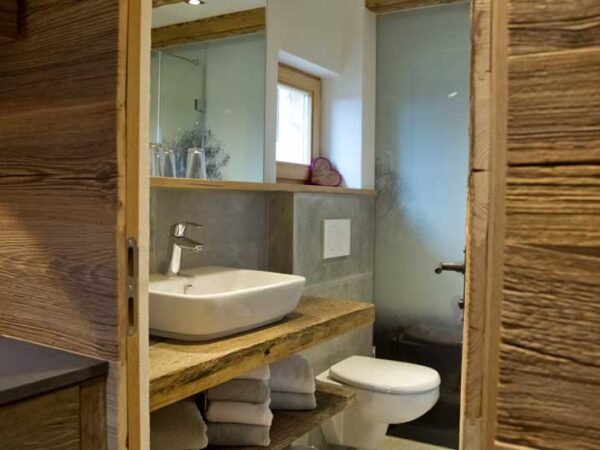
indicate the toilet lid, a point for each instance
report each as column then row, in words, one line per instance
column 382, row 375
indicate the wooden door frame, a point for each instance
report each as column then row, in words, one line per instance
column 134, row 139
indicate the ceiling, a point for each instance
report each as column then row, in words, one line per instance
column 182, row 12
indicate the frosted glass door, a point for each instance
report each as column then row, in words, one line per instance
column 422, row 161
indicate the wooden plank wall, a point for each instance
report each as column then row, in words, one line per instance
column 548, row 351
column 9, row 20
column 61, row 206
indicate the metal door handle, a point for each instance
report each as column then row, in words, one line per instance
column 450, row 267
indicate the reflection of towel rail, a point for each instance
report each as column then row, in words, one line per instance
column 183, row 58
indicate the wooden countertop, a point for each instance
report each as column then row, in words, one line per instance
column 181, row 369
column 27, row 369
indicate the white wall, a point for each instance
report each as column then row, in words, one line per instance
column 334, row 39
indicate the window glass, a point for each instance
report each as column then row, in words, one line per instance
column 294, row 125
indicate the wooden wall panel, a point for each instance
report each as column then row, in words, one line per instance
column 546, row 350
column 61, row 176
column 9, row 20
column 555, row 108
column 553, row 25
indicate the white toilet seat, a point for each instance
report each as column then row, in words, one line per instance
column 381, row 375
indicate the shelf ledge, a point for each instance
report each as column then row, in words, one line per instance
column 289, row 426
column 181, row 369
column 189, row 183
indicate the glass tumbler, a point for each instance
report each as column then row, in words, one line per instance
column 167, row 163
column 196, row 163
column 155, row 155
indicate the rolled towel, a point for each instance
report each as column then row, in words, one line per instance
column 291, row 401
column 238, row 412
column 261, row 374
column 235, row 434
column 294, row 374
column 178, row 427
column 251, row 391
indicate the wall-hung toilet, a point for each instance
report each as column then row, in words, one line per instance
column 387, row 392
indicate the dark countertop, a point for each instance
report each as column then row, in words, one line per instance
column 28, row 369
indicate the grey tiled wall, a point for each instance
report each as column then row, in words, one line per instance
column 235, row 228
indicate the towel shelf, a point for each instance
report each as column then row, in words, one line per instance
column 181, row 369
column 291, row 425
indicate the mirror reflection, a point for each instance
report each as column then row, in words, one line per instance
column 207, row 117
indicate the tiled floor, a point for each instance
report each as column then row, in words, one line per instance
column 393, row 443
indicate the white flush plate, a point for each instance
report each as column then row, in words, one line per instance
column 336, row 238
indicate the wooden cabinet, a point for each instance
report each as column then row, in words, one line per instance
column 72, row 418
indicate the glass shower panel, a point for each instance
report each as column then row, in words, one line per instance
column 422, row 168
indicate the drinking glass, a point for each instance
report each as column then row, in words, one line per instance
column 196, row 163
column 155, row 155
column 167, row 163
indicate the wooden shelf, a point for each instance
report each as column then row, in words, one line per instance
column 188, row 183
column 291, row 425
column 181, row 369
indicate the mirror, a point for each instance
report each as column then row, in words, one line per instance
column 208, row 68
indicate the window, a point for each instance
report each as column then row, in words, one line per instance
column 298, row 113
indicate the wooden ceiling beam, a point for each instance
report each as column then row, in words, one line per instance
column 389, row 6
column 210, row 28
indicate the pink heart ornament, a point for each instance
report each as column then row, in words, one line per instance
column 323, row 173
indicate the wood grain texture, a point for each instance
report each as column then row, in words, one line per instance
column 48, row 422
column 289, row 426
column 181, row 369
column 137, row 213
column 61, row 202
column 210, row 28
column 389, row 6
column 549, row 393
column 548, row 346
column 553, row 25
column 9, row 20
column 92, row 398
column 473, row 365
column 188, row 183
column 555, row 108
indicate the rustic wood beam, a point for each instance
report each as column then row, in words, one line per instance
column 9, row 20
column 389, row 6
column 210, row 28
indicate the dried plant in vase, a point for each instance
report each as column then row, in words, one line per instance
column 197, row 137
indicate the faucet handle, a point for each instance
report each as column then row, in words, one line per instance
column 178, row 229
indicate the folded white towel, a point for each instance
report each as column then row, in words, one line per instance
column 294, row 374
column 178, row 427
column 238, row 412
column 261, row 374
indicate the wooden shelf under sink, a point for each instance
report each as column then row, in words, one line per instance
column 181, row 369
column 291, row 425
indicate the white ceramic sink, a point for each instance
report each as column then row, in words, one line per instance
column 212, row 302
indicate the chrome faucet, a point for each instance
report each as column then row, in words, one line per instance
column 179, row 242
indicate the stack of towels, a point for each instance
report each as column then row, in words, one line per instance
column 238, row 411
column 178, row 427
column 293, row 385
